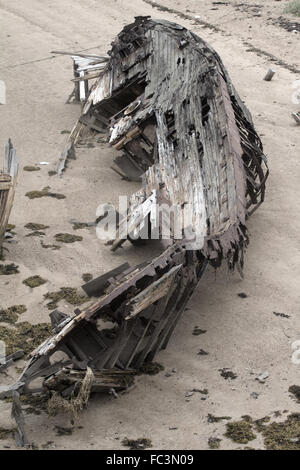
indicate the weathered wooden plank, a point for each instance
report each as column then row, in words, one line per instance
column 151, row 294
column 96, row 286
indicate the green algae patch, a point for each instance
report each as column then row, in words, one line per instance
column 150, row 368
column 24, row 336
column 63, row 431
column 69, row 294
column 240, row 431
column 31, row 168
column 44, row 193
column 284, row 435
column 8, row 269
column 86, row 277
column 10, row 314
column 18, row 308
column 5, row 433
column 216, row 419
column 7, row 316
column 79, row 225
column 276, row 435
column 214, row 443
column 35, row 404
column 137, row 444
column 36, row 233
column 53, row 247
column 34, row 226
column 34, row 281
column 67, row 238
column 293, row 8
column 259, row 423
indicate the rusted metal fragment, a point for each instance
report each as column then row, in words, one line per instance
column 8, row 181
column 172, row 110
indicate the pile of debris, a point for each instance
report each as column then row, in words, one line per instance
column 168, row 103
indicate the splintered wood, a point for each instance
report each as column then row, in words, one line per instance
column 171, row 109
column 8, row 181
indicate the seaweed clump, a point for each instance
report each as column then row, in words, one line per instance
column 137, row 444
column 36, row 233
column 5, row 433
column 10, row 315
column 8, row 269
column 216, row 419
column 44, row 193
column 24, row 336
column 240, row 431
column 63, row 431
column 79, row 225
column 227, row 374
column 293, row 8
column 283, row 436
column 150, row 368
column 31, row 168
column 214, row 442
column 67, row 238
column 69, row 294
column 35, row 404
column 34, row 281
column 53, row 247
column 35, row 226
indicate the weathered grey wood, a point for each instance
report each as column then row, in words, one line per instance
column 17, row 414
column 8, row 181
column 151, row 294
column 96, row 286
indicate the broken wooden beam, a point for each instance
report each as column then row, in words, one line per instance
column 8, row 181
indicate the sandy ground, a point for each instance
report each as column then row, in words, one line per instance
column 242, row 334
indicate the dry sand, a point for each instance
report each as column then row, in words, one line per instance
column 242, row 334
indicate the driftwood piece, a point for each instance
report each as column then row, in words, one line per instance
column 9, row 360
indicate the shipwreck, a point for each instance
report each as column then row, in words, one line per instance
column 165, row 98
